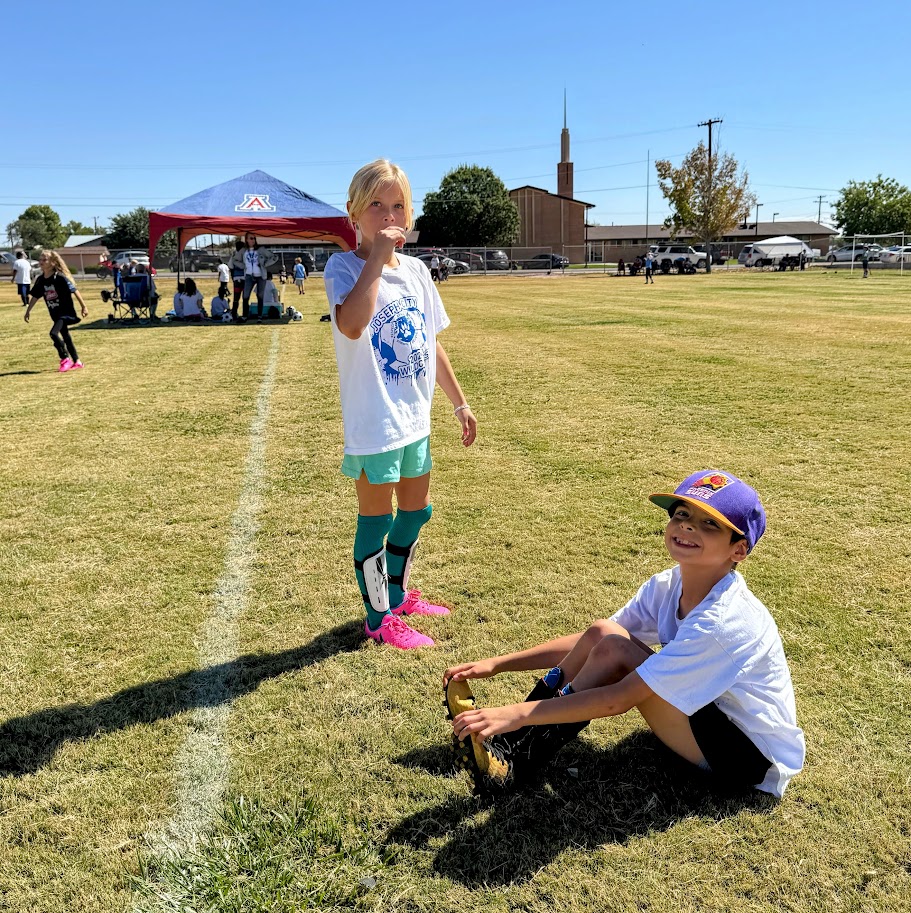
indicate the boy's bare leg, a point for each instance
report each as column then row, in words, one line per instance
column 612, row 659
column 572, row 663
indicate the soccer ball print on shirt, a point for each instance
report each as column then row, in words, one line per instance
column 399, row 336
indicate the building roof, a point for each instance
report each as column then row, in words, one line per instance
column 542, row 190
column 658, row 231
column 81, row 240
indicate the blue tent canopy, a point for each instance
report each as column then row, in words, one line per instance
column 255, row 202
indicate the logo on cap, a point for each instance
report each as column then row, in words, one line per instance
column 255, row 202
column 707, row 486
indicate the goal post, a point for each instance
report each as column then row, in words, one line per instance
column 891, row 239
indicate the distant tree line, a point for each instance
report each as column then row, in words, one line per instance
column 472, row 207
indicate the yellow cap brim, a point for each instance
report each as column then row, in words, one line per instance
column 667, row 500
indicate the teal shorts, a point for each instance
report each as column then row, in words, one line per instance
column 392, row 465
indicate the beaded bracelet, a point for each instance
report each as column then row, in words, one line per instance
column 458, row 409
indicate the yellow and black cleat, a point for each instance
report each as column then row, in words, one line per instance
column 488, row 766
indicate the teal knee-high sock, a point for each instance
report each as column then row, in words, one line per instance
column 400, row 547
column 368, row 543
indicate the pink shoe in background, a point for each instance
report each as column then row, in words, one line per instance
column 77, row 364
column 396, row 633
column 414, row 605
column 66, row 364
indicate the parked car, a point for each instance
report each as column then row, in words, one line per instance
column 456, row 267
column 545, row 261
column 124, row 258
column 287, row 255
column 194, row 261
column 855, row 251
column 898, row 255
column 8, row 258
column 666, row 254
column 474, row 260
column 720, row 255
column 497, row 259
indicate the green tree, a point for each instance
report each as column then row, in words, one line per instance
column 471, row 208
column 875, row 207
column 37, row 226
column 74, row 227
column 129, row 229
column 706, row 199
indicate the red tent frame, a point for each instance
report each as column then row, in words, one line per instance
column 335, row 230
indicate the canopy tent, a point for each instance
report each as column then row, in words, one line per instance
column 254, row 202
column 782, row 245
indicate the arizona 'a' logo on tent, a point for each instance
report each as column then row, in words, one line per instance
column 255, row 202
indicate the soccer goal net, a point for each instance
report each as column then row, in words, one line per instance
column 889, row 249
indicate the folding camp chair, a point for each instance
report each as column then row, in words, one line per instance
column 135, row 300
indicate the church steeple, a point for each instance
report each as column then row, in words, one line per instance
column 565, row 167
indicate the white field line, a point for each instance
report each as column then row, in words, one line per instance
column 203, row 761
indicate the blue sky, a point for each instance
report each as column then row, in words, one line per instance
column 144, row 104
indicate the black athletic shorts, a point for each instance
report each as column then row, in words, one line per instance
column 730, row 753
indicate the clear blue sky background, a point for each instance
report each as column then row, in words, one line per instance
column 143, row 104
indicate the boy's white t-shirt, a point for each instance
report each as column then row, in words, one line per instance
column 728, row 651
column 387, row 375
column 224, row 274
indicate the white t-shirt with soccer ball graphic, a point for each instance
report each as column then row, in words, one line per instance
column 387, row 375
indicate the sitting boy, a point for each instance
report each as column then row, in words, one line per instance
column 220, row 304
column 718, row 693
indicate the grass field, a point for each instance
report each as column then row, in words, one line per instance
column 124, row 489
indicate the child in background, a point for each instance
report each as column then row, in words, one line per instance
column 236, row 263
column 56, row 286
column 220, row 304
column 191, row 302
column 283, row 274
column 224, row 277
column 386, row 314
column 178, row 304
column 300, row 274
column 719, row 692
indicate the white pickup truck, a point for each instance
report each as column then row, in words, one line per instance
column 667, row 254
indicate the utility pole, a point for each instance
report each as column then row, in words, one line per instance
column 708, row 241
column 773, row 216
column 95, row 218
column 819, row 200
column 648, row 169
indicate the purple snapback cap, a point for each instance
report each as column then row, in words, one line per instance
column 728, row 499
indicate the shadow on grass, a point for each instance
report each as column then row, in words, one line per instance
column 634, row 788
column 17, row 373
column 27, row 743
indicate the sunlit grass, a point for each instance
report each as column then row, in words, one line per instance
column 118, row 484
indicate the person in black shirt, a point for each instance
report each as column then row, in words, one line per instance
column 55, row 285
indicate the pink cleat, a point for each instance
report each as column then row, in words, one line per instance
column 414, row 605
column 66, row 364
column 396, row 633
column 77, row 364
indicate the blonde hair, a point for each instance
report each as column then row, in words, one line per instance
column 57, row 262
column 369, row 180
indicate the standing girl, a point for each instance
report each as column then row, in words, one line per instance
column 56, row 286
column 386, row 314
